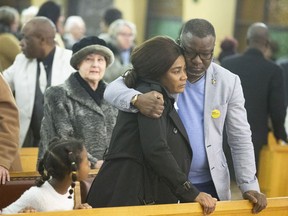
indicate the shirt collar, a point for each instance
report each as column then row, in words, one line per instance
column 47, row 61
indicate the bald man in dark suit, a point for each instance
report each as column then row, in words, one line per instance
column 263, row 87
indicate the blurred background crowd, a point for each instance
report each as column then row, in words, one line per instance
column 231, row 18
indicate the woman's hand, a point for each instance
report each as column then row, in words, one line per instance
column 207, row 202
column 28, row 209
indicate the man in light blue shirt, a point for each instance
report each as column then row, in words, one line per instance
column 213, row 99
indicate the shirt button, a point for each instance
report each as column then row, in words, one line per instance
column 175, row 130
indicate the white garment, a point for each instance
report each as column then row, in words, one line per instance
column 42, row 78
column 21, row 77
column 43, row 199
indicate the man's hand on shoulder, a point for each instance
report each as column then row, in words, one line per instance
column 150, row 104
column 258, row 199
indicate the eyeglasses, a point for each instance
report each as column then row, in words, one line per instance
column 192, row 54
column 128, row 35
column 203, row 56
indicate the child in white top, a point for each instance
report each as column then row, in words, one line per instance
column 64, row 162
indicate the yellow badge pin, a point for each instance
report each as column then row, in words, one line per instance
column 215, row 113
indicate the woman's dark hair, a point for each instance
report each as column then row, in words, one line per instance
column 61, row 158
column 50, row 10
column 111, row 14
column 152, row 59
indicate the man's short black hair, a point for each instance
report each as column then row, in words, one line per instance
column 198, row 27
column 111, row 15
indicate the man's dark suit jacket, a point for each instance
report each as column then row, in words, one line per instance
column 264, row 92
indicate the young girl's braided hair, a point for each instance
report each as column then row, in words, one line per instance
column 61, row 158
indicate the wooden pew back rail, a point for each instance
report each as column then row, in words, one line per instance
column 12, row 190
column 276, row 207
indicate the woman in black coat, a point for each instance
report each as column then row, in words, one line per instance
column 148, row 159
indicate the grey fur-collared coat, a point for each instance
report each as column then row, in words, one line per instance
column 69, row 111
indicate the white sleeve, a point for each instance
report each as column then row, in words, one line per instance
column 8, row 75
column 119, row 95
column 28, row 198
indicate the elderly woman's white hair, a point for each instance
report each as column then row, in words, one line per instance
column 28, row 13
column 73, row 21
column 117, row 25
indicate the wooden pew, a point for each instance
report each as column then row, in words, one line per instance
column 276, row 207
column 28, row 157
column 12, row 190
column 272, row 173
column 21, row 181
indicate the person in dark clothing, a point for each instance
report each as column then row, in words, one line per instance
column 283, row 62
column 148, row 159
column 263, row 87
column 52, row 11
column 228, row 47
column 109, row 16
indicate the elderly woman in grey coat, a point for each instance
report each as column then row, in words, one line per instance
column 77, row 108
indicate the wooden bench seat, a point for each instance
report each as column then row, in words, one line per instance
column 12, row 190
column 272, row 172
column 28, row 157
column 21, row 181
column 276, row 207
